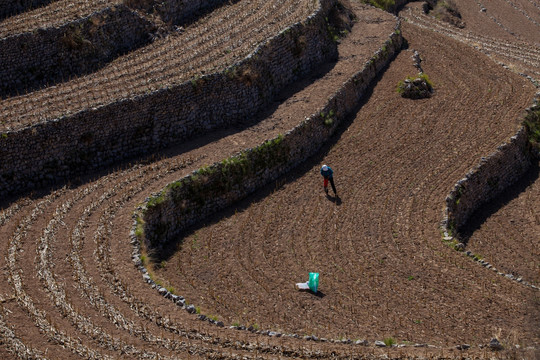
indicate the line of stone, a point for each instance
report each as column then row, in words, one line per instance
column 314, row 130
column 144, row 311
column 485, row 182
column 507, row 50
column 78, row 143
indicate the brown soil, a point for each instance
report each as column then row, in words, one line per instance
column 384, row 271
column 505, row 232
column 211, row 44
column 69, row 288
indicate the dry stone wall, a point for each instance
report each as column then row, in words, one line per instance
column 186, row 201
column 45, row 56
column 398, row 4
column 58, row 149
column 177, row 12
column 487, row 180
column 11, row 7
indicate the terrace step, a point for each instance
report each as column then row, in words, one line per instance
column 48, row 56
column 13, row 7
column 144, row 100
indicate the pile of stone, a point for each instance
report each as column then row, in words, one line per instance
column 416, row 88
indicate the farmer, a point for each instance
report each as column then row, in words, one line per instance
column 328, row 174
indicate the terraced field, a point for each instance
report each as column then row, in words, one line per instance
column 210, row 45
column 70, row 288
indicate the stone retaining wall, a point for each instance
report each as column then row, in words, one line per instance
column 58, row 149
column 176, row 12
column 46, row 56
column 11, row 7
column 488, row 179
column 186, row 201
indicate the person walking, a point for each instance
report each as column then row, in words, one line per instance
column 328, row 175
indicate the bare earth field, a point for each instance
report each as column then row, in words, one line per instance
column 69, row 288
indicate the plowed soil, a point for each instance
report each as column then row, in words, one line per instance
column 69, row 288
column 384, row 271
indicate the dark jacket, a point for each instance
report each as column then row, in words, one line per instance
column 328, row 173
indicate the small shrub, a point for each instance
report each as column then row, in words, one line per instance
column 247, row 75
column 328, row 119
column 418, row 87
column 195, row 82
column 389, row 341
column 444, row 10
column 74, row 39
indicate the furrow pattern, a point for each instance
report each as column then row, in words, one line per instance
column 520, row 55
column 394, row 165
column 55, row 14
column 211, row 44
column 70, row 273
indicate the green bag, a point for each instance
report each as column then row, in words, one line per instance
column 313, row 282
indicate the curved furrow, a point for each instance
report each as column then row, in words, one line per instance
column 116, row 317
column 57, row 292
column 483, row 10
column 59, row 298
column 392, row 176
column 55, row 14
column 523, row 12
column 137, row 72
column 524, row 53
column 517, row 49
column 15, row 273
column 14, row 344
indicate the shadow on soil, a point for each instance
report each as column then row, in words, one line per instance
column 487, row 210
column 318, row 294
column 335, row 199
column 17, row 9
column 296, row 173
column 177, row 149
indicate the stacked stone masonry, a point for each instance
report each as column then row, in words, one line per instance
column 12, row 7
column 178, row 12
column 487, row 180
column 58, row 149
column 47, row 56
column 167, row 214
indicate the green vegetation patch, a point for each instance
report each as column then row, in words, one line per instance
column 214, row 181
column 532, row 124
column 387, row 5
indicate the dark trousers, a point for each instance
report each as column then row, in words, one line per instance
column 331, row 183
